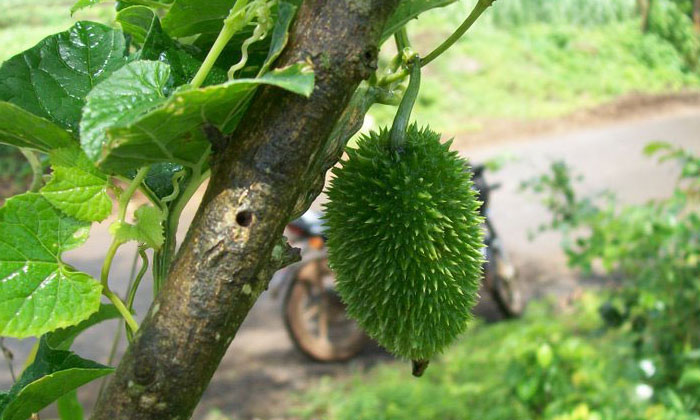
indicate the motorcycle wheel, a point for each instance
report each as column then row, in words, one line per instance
column 315, row 316
column 503, row 284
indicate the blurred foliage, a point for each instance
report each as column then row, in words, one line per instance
column 576, row 12
column 672, row 21
column 15, row 172
column 654, row 251
column 550, row 365
column 535, row 69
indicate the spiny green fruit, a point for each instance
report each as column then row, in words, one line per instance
column 405, row 239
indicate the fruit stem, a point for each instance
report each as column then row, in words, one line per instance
column 479, row 8
column 400, row 125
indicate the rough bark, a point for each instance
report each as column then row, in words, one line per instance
column 235, row 242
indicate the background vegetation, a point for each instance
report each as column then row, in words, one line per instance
column 525, row 59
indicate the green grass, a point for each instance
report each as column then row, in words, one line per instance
column 23, row 23
column 535, row 70
column 492, row 373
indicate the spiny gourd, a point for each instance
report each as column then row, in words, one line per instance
column 405, row 237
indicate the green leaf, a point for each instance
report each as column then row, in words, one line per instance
column 52, row 78
column 147, row 229
column 39, row 292
column 127, row 94
column 280, row 33
column 690, row 378
column 77, row 187
column 82, row 4
column 656, row 146
column 158, row 46
column 160, row 178
column 23, row 129
column 62, row 338
column 136, row 21
column 69, row 407
column 261, row 54
column 189, row 17
column 53, row 374
column 407, row 10
column 158, row 135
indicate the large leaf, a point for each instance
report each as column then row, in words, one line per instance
column 39, row 292
column 77, row 187
column 407, row 10
column 189, row 17
column 53, row 374
column 23, row 129
column 122, row 98
column 62, row 338
column 52, row 78
column 158, row 135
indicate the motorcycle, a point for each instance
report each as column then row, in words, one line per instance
column 314, row 314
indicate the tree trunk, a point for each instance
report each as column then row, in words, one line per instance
column 235, row 242
column 696, row 14
column 644, row 12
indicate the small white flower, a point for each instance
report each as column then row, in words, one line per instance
column 644, row 391
column 648, row 367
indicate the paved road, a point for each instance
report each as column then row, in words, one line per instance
column 261, row 367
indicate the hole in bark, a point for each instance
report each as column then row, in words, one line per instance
column 244, row 218
column 369, row 57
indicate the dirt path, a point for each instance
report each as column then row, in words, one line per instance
column 261, row 368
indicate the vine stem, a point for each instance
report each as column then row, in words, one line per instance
column 137, row 280
column 478, row 10
column 232, row 24
column 117, row 302
column 130, row 190
column 124, row 199
column 401, row 37
column 37, row 169
column 162, row 258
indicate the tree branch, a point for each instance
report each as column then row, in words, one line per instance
column 235, row 242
